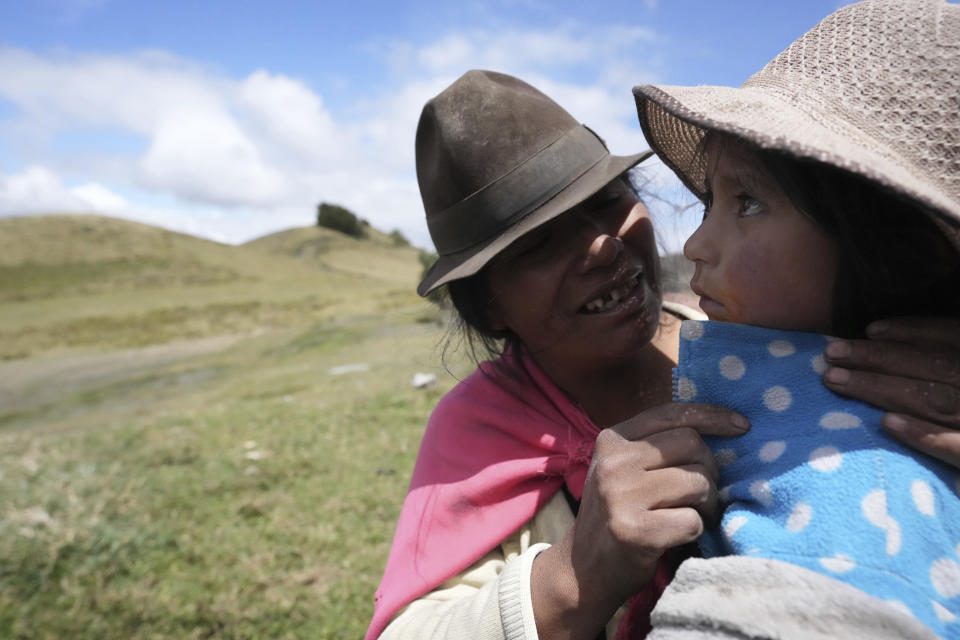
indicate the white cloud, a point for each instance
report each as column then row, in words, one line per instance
column 205, row 156
column 99, row 198
column 35, row 190
column 232, row 158
column 289, row 115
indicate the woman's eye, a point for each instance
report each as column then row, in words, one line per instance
column 603, row 201
column 750, row 206
column 707, row 201
column 531, row 243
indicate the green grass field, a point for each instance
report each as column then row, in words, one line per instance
column 203, row 441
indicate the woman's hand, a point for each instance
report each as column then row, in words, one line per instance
column 651, row 484
column 910, row 367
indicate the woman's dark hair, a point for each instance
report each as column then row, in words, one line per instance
column 471, row 299
column 892, row 258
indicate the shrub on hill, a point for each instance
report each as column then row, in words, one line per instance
column 399, row 240
column 335, row 217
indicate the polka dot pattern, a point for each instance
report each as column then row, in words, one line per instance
column 816, row 481
column 819, row 364
column 760, row 490
column 725, row 456
column 777, row 399
column 686, row 390
column 691, row 330
column 875, row 510
column 838, row 564
column 923, row 497
column 733, row 525
column 826, row 459
column 732, row 368
column 840, row 420
column 945, row 577
column 781, row 348
column 800, row 517
column 943, row 614
column 772, row 450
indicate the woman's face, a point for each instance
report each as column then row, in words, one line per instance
column 584, row 288
column 758, row 259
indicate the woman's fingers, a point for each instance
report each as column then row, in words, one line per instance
column 668, row 528
column 918, row 330
column 674, row 448
column 927, row 401
column 933, row 439
column 939, row 363
column 705, row 419
column 686, row 486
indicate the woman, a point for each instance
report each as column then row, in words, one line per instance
column 850, row 140
column 551, row 482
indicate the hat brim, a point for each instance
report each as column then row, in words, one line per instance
column 469, row 261
column 674, row 120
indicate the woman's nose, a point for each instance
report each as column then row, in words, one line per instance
column 603, row 251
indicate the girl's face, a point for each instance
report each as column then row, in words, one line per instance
column 583, row 288
column 758, row 259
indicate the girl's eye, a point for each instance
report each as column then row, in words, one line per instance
column 750, row 206
column 707, row 200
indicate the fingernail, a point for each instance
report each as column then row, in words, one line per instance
column 838, row 349
column 877, row 328
column 836, row 375
column 895, row 422
column 740, row 422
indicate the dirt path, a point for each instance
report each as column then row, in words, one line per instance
column 26, row 384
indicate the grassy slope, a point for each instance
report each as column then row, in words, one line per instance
column 89, row 281
column 247, row 493
column 214, row 489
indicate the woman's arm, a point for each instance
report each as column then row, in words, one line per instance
column 489, row 600
column 911, row 368
column 651, row 484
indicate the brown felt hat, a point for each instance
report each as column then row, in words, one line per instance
column 874, row 89
column 497, row 158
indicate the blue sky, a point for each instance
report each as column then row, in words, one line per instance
column 230, row 120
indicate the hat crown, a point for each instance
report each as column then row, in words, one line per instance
column 892, row 69
column 477, row 130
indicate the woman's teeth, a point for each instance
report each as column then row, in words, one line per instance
column 610, row 300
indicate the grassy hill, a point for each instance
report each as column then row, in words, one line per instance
column 377, row 256
column 85, row 281
column 200, row 440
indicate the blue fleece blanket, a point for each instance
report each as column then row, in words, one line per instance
column 815, row 481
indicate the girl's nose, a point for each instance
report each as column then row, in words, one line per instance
column 697, row 246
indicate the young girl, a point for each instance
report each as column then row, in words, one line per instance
column 832, row 199
column 816, row 482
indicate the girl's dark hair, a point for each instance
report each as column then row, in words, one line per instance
column 892, row 258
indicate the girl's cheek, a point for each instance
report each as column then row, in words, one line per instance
column 748, row 283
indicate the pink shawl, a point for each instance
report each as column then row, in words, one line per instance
column 496, row 449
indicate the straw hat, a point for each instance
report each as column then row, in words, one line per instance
column 873, row 89
column 497, row 158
